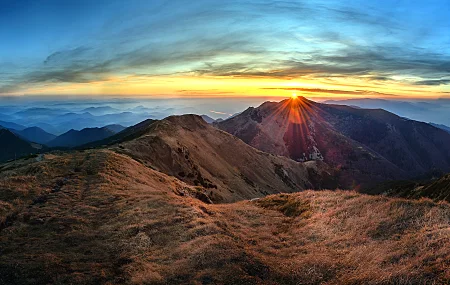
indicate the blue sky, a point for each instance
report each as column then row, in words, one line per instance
column 368, row 47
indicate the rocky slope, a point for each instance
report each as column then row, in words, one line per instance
column 190, row 149
column 98, row 217
column 365, row 146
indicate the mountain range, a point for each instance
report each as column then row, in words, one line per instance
column 179, row 201
column 34, row 134
column 365, row 146
column 74, row 138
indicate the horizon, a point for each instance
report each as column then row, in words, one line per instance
column 174, row 49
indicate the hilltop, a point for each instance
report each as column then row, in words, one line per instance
column 98, row 217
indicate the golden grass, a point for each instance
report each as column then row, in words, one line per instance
column 104, row 218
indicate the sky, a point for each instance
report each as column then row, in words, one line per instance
column 206, row 48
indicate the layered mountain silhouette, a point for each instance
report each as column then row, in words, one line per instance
column 363, row 145
column 10, row 125
column 35, row 134
column 75, row 138
column 13, row 147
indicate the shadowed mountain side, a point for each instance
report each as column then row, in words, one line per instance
column 12, row 146
column 98, row 217
column 127, row 134
column 442, row 127
column 190, row 149
column 35, row 134
column 366, row 146
column 75, row 138
column 436, row 189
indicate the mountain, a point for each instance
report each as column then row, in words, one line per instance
column 193, row 151
column 125, row 135
column 75, row 138
column 208, row 119
column 437, row 189
column 442, row 127
column 40, row 112
column 35, row 134
column 10, row 125
column 432, row 110
column 102, row 110
column 365, row 145
column 115, row 128
column 99, row 217
column 14, row 147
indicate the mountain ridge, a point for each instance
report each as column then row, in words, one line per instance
column 369, row 144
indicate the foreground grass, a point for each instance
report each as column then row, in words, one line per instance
column 101, row 218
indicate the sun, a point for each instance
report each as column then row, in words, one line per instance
column 294, row 96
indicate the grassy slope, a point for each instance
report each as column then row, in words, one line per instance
column 97, row 217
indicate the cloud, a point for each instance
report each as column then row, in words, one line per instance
column 220, row 113
column 433, row 82
column 334, row 91
column 275, row 39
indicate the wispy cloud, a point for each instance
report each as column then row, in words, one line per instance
column 334, row 91
column 251, row 39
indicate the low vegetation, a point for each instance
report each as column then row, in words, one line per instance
column 97, row 217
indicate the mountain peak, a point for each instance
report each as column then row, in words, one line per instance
column 359, row 142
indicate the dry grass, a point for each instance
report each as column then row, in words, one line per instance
column 102, row 218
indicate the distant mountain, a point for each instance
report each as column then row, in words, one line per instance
column 75, row 138
column 127, row 134
column 365, row 145
column 10, row 125
column 35, row 134
column 433, row 110
column 208, row 119
column 442, row 127
column 115, row 128
column 101, row 110
column 48, row 128
column 12, row 146
column 40, row 112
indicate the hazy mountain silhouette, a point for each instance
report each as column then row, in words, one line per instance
column 35, row 134
column 75, row 138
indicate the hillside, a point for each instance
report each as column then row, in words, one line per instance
column 74, row 138
column 365, row 145
column 436, row 189
column 193, row 151
column 35, row 134
column 98, row 217
column 12, row 146
column 440, row 126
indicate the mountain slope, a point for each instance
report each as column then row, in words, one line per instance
column 12, row 146
column 75, row 138
column 10, row 125
column 437, row 189
column 440, row 126
column 115, row 128
column 190, row 149
column 365, row 145
column 98, row 217
column 35, row 134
